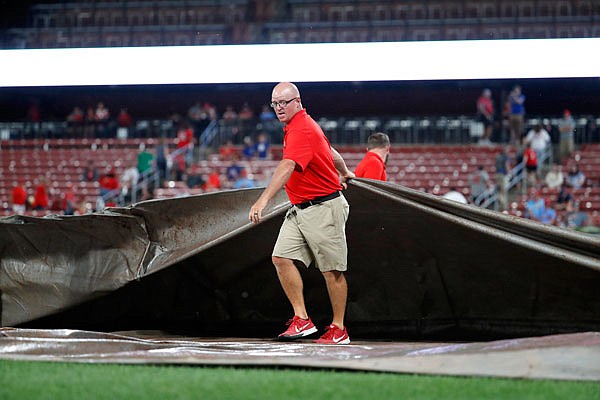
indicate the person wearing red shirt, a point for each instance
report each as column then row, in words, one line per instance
column 485, row 115
column 19, row 198
column 40, row 196
column 314, row 227
column 372, row 166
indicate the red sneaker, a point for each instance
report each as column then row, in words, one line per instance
column 297, row 328
column 334, row 335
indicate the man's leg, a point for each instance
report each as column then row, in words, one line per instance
column 291, row 281
column 338, row 292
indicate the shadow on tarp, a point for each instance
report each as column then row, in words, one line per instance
column 420, row 267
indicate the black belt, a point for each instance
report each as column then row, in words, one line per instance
column 317, row 200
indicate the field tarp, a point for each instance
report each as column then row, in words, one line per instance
column 420, row 266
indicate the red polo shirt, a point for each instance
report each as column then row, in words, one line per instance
column 371, row 167
column 315, row 175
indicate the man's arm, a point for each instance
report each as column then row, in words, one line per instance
column 341, row 167
column 282, row 174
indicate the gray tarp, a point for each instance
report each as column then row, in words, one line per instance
column 419, row 266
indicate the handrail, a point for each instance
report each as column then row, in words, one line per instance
column 209, row 134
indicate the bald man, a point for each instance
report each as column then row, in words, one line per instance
column 313, row 174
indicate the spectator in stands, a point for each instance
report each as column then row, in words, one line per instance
column 129, row 182
column 246, row 119
column 531, row 164
column 75, row 122
column 455, row 195
column 263, row 147
column 554, row 178
column 184, row 151
column 124, row 123
column 213, row 181
column 40, row 195
column 19, row 198
column 502, row 172
column 34, row 116
column 516, row 100
column 485, row 115
column 564, row 199
column 102, row 117
column 479, row 181
column 566, row 127
column 227, row 151
column 372, row 166
column 89, row 127
column 90, row 173
column 575, row 178
column 244, row 180
column 266, row 114
column 197, row 117
column 230, row 115
column 535, row 206
column 108, row 182
column 193, row 179
column 68, row 201
column 162, row 155
column 246, row 112
column 548, row 215
column 249, row 148
column 145, row 160
column 540, row 140
column 231, row 123
column 233, row 170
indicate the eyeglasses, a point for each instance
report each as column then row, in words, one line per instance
column 281, row 103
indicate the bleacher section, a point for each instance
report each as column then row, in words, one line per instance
column 208, row 22
column 431, row 168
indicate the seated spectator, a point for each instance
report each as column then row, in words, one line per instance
column 263, row 147
column 68, row 201
column 233, row 170
column 575, row 178
column 213, row 182
column 249, row 149
column 246, row 112
column 19, row 198
column 227, row 151
column 244, row 181
column 554, row 178
column 108, row 182
column 564, row 199
column 193, row 179
column 40, row 196
column 90, row 173
column 535, row 205
column 548, row 214
column 267, row 114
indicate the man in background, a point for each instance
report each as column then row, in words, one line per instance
column 372, row 165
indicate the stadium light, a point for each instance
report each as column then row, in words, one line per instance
column 321, row 62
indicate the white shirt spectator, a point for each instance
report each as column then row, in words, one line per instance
column 539, row 139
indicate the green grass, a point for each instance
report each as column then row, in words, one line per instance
column 40, row 380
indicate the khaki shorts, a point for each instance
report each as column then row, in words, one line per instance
column 316, row 233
